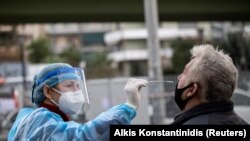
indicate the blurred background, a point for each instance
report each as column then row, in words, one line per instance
column 113, row 41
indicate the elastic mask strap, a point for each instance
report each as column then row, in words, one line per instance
column 56, row 91
column 53, row 101
column 183, row 89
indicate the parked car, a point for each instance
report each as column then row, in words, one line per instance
column 241, row 100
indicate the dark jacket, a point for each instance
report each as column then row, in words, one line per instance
column 214, row 113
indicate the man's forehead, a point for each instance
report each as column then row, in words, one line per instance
column 190, row 63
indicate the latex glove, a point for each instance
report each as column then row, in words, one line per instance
column 132, row 90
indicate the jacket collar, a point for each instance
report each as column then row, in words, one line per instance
column 204, row 108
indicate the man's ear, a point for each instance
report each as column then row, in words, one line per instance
column 192, row 90
column 47, row 92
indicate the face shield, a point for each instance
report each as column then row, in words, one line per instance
column 70, row 81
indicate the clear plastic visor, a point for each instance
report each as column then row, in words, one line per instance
column 72, row 80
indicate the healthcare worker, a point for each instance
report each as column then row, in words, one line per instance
column 59, row 90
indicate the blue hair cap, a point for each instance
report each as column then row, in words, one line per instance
column 51, row 75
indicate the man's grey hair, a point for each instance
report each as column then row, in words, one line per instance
column 215, row 72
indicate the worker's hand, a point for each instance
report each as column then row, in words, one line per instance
column 132, row 90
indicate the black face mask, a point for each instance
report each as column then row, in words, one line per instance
column 178, row 93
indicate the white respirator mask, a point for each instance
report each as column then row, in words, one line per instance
column 70, row 102
column 70, row 83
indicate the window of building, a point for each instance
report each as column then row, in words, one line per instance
column 88, row 39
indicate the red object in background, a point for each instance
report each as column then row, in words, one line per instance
column 15, row 98
column 2, row 80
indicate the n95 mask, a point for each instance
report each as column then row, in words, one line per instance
column 70, row 102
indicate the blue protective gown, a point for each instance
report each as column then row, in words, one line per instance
column 41, row 124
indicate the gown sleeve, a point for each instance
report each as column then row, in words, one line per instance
column 44, row 125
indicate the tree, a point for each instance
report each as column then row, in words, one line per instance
column 238, row 47
column 181, row 54
column 39, row 50
column 98, row 66
column 71, row 55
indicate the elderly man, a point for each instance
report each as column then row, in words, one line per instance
column 205, row 87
